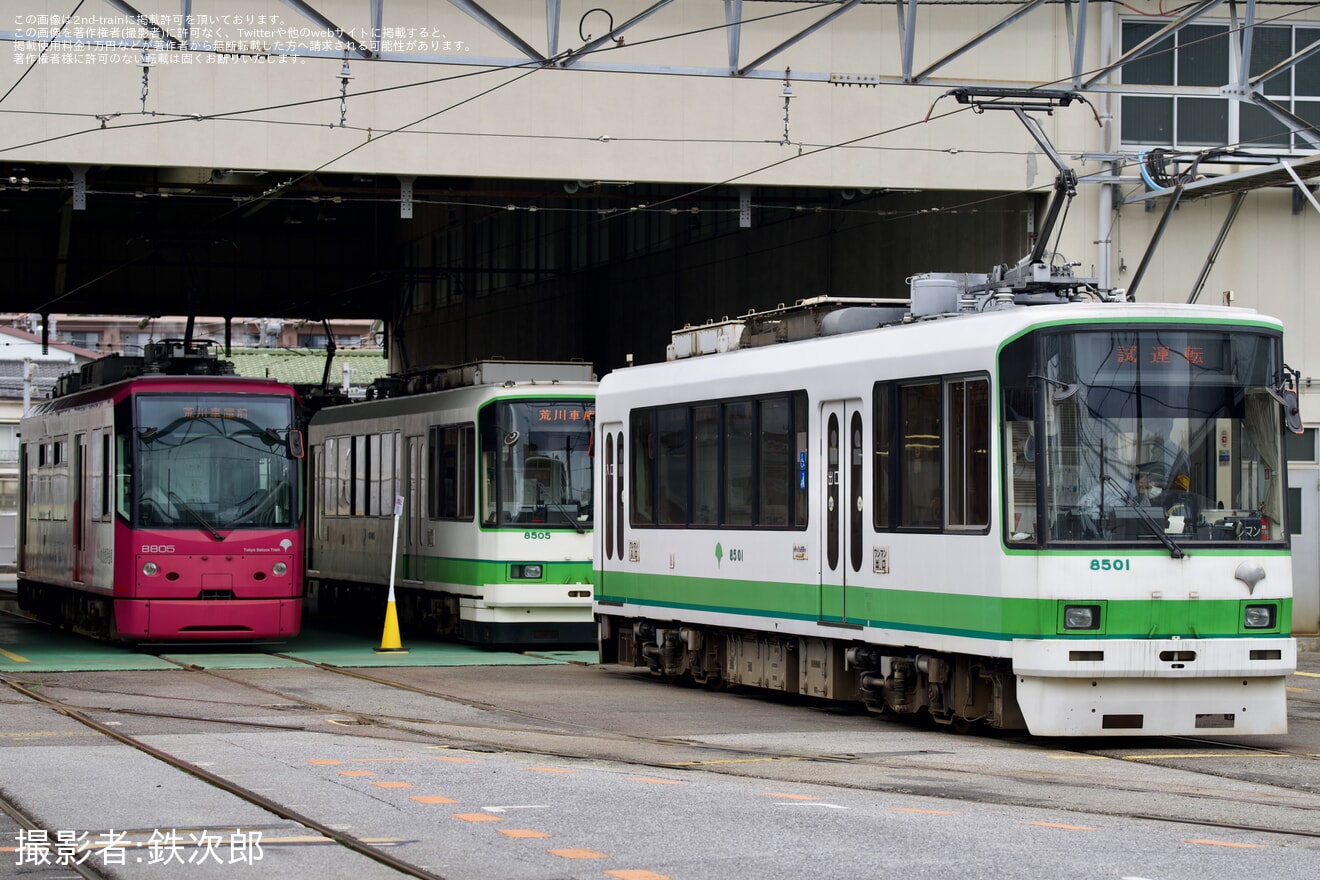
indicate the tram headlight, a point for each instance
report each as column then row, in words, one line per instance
column 1081, row 617
column 1258, row 617
column 279, row 569
column 150, row 569
column 527, row 572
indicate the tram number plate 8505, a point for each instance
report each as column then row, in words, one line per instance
column 1111, row 565
column 536, row 536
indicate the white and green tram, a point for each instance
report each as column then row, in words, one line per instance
column 492, row 464
column 939, row 515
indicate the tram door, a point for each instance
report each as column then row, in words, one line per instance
column 842, row 510
column 1304, row 501
column 609, row 522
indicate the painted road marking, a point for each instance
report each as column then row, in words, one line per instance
column 522, row 833
column 654, row 781
column 551, row 770
column 928, row 812
column 477, row 817
column 636, row 875
column 1207, row 755
column 356, row 773
column 577, row 854
column 432, row 799
column 517, row 807
column 17, row 658
column 379, row 760
column 1228, row 844
column 1064, row 827
column 457, row 760
column 1308, row 674
column 324, row 761
column 392, row 784
column 789, row 797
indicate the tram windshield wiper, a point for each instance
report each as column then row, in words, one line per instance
column 1175, row 551
column 174, row 496
column 566, row 515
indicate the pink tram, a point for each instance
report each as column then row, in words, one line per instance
column 162, row 501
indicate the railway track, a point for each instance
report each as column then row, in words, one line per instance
column 339, row 837
column 516, row 730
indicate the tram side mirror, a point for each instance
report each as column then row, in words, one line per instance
column 1292, row 411
column 1029, row 448
column 296, row 444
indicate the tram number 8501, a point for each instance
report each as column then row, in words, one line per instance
column 1111, row 565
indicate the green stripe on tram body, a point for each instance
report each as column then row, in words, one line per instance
column 983, row 617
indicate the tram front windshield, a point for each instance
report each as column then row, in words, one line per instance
column 209, row 461
column 1149, row 436
column 536, row 464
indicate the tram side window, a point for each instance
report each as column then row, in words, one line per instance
column 452, row 483
column 739, row 446
column 919, row 455
column 105, row 467
column 329, row 464
column 672, row 461
column 969, row 452
column 705, row 465
column 731, row 463
column 123, row 458
column 375, row 476
column 775, row 459
column 642, row 495
column 359, row 470
column 932, row 447
column 882, row 473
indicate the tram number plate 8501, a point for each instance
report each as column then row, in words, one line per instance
column 1111, row 565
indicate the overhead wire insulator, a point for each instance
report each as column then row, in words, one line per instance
column 146, row 77
column 788, row 96
column 345, row 74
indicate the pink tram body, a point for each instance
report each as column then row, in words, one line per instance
column 161, row 502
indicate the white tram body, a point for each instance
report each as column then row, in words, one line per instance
column 494, row 531
column 906, row 515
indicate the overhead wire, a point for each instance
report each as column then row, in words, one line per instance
column 534, row 66
column 42, row 53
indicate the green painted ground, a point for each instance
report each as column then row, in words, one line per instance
column 26, row 646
